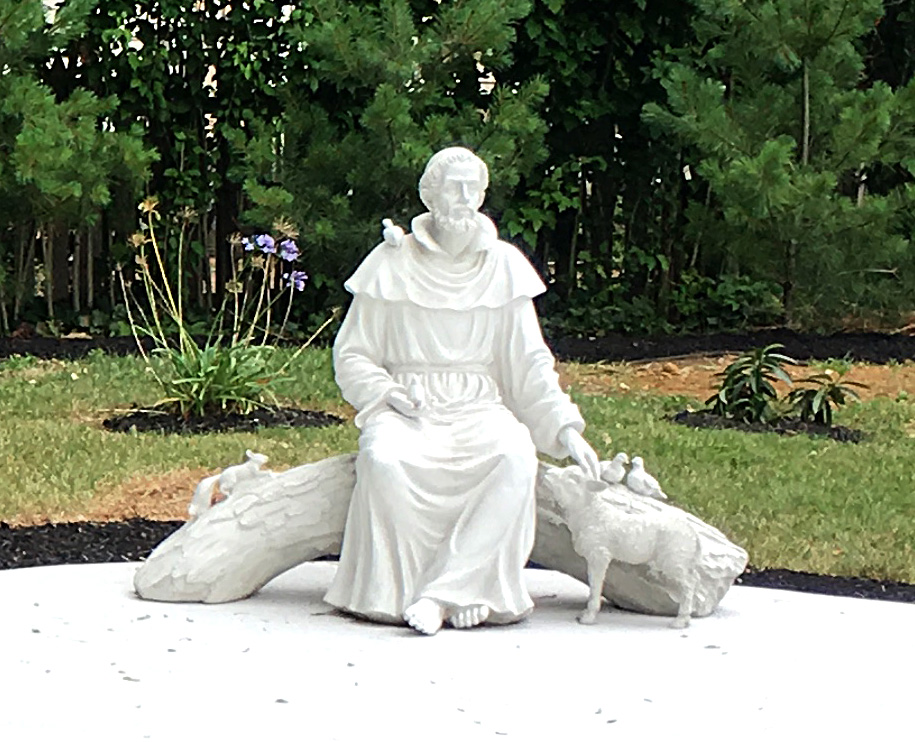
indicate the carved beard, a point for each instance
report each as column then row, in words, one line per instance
column 453, row 224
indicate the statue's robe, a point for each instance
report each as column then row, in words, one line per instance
column 444, row 504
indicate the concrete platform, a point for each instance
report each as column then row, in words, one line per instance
column 82, row 657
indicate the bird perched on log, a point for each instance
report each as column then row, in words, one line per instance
column 614, row 472
column 641, row 482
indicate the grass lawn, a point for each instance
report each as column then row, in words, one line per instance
column 795, row 502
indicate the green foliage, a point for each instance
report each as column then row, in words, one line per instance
column 815, row 403
column 217, row 377
column 702, row 303
column 603, row 214
column 746, row 391
column 388, row 84
column 60, row 160
column 794, row 145
column 236, row 368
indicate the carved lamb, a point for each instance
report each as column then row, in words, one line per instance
column 608, row 523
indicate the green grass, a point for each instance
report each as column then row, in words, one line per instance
column 792, row 502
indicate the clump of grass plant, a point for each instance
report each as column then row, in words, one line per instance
column 747, row 390
column 236, row 368
column 816, row 402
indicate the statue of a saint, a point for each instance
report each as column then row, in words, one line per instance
column 442, row 356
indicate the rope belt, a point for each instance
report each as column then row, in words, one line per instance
column 432, row 368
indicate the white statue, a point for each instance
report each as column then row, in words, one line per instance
column 608, row 524
column 442, row 356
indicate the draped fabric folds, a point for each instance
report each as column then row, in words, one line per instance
column 444, row 504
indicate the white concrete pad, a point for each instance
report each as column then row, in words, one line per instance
column 82, row 657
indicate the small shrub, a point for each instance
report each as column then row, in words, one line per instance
column 234, row 369
column 815, row 403
column 746, row 391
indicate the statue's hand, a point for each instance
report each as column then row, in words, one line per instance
column 401, row 403
column 581, row 451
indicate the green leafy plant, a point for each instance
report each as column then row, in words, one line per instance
column 815, row 403
column 746, row 391
column 233, row 370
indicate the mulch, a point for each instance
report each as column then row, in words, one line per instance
column 862, row 347
column 155, row 421
column 784, row 426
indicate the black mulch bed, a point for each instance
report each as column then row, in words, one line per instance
column 865, row 347
column 143, row 421
column 782, row 427
column 133, row 540
column 868, row 347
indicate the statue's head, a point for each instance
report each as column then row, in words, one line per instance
column 453, row 187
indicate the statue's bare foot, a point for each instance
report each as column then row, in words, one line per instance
column 425, row 616
column 587, row 617
column 465, row 618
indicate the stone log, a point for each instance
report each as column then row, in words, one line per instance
column 278, row 520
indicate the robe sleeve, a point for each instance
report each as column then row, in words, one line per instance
column 363, row 380
column 530, row 384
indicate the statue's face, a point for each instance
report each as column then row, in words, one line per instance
column 455, row 203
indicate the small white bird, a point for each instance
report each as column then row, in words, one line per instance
column 249, row 469
column 613, row 472
column 417, row 393
column 641, row 482
column 392, row 234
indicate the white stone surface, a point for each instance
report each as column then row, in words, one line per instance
column 82, row 657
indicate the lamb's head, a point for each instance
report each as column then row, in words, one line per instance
column 572, row 488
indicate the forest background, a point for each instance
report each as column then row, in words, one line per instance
column 668, row 166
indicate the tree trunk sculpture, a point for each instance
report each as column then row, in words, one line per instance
column 270, row 522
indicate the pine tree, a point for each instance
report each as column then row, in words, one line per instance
column 57, row 165
column 790, row 135
column 384, row 85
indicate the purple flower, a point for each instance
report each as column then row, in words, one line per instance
column 289, row 250
column 247, row 244
column 296, row 279
column 266, row 243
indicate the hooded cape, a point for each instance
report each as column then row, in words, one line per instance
column 489, row 273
